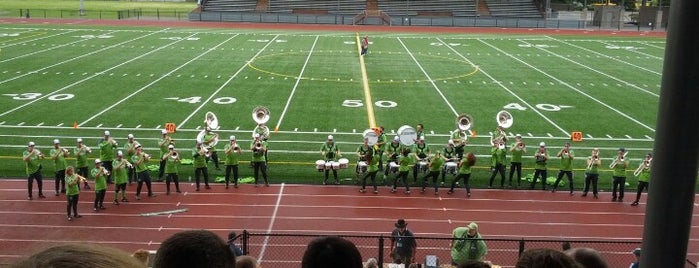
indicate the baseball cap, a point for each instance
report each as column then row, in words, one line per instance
column 636, row 251
column 120, row 153
column 80, row 140
column 97, row 161
column 106, row 132
column 422, row 138
column 56, row 141
column 31, row 143
column 542, row 144
column 622, row 149
column 232, row 137
column 518, row 135
column 396, row 138
column 130, row 136
column 330, row 137
column 163, row 132
column 256, row 135
column 171, row 146
column 138, row 146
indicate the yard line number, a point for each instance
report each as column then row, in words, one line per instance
column 197, row 99
column 32, row 96
column 360, row 103
column 540, row 106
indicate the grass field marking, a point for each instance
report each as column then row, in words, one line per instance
column 79, row 81
column 228, row 81
column 607, row 56
column 428, row 77
column 296, row 84
column 159, row 78
column 592, row 69
column 569, row 86
column 49, row 49
column 531, row 108
column 365, row 85
column 609, row 43
column 646, row 43
column 604, row 55
column 30, row 40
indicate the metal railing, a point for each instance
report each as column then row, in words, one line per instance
column 137, row 14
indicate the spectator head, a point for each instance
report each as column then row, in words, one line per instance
column 473, row 264
column 545, row 258
column 331, row 251
column 371, row 263
column 141, row 255
column 587, row 257
column 472, row 228
column 232, row 235
column 401, row 224
column 193, row 249
column 79, row 256
column 637, row 252
column 245, row 261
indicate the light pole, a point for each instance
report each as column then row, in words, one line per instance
column 82, row 8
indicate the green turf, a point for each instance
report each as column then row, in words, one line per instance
column 134, row 80
column 94, row 9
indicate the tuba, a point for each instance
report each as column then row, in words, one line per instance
column 210, row 123
column 261, row 115
column 504, row 119
column 464, row 122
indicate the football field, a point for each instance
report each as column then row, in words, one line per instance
column 72, row 81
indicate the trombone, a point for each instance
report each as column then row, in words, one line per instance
column 644, row 165
column 617, row 160
column 593, row 159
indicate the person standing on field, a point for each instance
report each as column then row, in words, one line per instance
column 81, row 151
column 100, row 176
column 32, row 160
column 365, row 45
column 108, row 147
column 59, row 154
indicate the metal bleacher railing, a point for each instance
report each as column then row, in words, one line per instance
column 286, row 250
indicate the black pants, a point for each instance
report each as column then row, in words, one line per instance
column 83, row 171
column 172, row 177
column 132, row 175
column 214, row 157
column 260, row 167
column 498, row 168
column 466, row 178
column 99, row 198
column 591, row 179
column 568, row 174
column 143, row 177
column 198, row 172
column 537, row 173
column 161, row 170
column 60, row 181
column 72, row 204
column 364, row 50
column 618, row 183
column 120, row 187
column 39, row 182
column 107, row 164
column 371, row 175
column 459, row 150
column 234, row 169
column 327, row 174
column 516, row 166
column 403, row 176
column 641, row 186
column 435, row 175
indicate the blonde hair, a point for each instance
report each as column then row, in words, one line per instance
column 79, row 255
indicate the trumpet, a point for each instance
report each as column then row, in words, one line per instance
column 65, row 150
column 81, row 179
column 170, row 140
column 37, row 153
column 104, row 171
column 204, row 151
column 645, row 164
column 174, row 155
column 617, row 160
column 113, row 141
column 127, row 163
column 84, row 148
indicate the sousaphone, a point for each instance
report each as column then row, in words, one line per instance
column 261, row 115
column 210, row 123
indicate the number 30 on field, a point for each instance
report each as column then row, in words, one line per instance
column 360, row 103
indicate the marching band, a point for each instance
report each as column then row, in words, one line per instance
column 407, row 151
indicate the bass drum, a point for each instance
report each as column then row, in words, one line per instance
column 371, row 136
column 361, row 167
column 407, row 135
column 450, row 167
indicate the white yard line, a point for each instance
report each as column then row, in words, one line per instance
column 159, row 78
column 593, row 69
column 569, row 86
column 227, row 82
column 531, row 108
column 428, row 77
column 80, row 81
column 35, row 39
column 296, row 84
column 270, row 228
column 604, row 55
column 608, row 43
column 49, row 49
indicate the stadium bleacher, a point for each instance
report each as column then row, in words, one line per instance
column 230, row 5
column 345, row 7
column 513, row 8
column 428, row 7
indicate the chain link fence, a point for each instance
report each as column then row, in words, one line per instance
column 286, row 250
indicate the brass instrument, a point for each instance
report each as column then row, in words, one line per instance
column 127, row 163
column 644, row 164
column 204, row 151
column 37, row 153
column 86, row 149
column 504, row 120
column 104, row 171
column 617, row 160
column 593, row 159
column 261, row 115
column 174, row 155
column 211, row 121
column 464, row 122
column 113, row 141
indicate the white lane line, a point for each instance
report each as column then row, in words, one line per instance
column 570, row 86
column 531, row 107
column 271, row 223
column 296, row 84
column 228, row 81
column 159, row 78
column 428, row 77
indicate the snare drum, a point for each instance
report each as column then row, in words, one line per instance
column 336, row 165
column 344, row 163
column 422, row 164
column 328, row 165
column 393, row 167
column 450, row 167
column 320, row 165
column 361, row 167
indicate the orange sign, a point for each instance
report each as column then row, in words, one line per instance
column 576, row 136
column 170, row 128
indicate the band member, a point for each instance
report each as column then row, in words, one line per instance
column 99, row 174
column 499, row 135
column 233, row 153
column 81, row 151
column 121, row 173
column 420, row 152
column 497, row 162
column 259, row 164
column 592, row 173
column 372, row 160
column 449, row 155
column 566, row 155
column 516, row 151
column 73, row 191
column 108, row 148
column 435, row 166
column 331, row 152
column 32, row 161
column 380, row 147
column 130, row 149
column 420, row 132
column 541, row 156
column 200, row 154
column 164, row 142
column 209, row 139
column 263, row 131
column 364, row 152
column 140, row 162
column 172, row 162
column 404, row 162
column 618, row 167
column 393, row 150
column 464, row 173
column 365, row 45
column 460, row 139
column 643, row 174
column 59, row 154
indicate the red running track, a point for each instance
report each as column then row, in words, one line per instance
column 304, row 209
